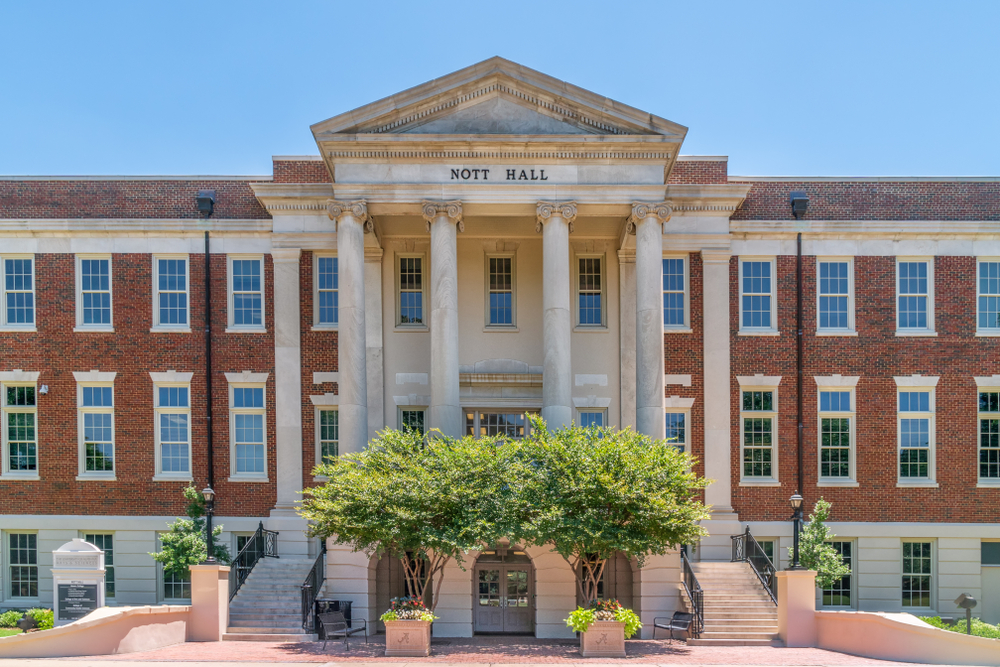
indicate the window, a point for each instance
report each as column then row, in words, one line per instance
column 758, row 313
column 590, row 305
column 410, row 284
column 675, row 296
column 989, row 553
column 501, row 307
column 176, row 586
column 97, row 430
column 915, row 302
column 916, row 435
column 768, row 547
column 835, row 294
column 20, row 434
column 173, row 431
column 329, row 435
column 758, row 451
column 988, row 303
column 676, row 433
column 246, row 417
column 106, row 542
column 509, row 423
column 327, row 295
column 989, row 435
column 595, row 418
column 17, row 292
column 22, row 556
column 93, row 306
column 836, row 434
column 170, row 293
column 412, row 419
column 246, row 300
column 917, row 574
column 839, row 595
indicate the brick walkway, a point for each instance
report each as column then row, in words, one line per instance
column 485, row 650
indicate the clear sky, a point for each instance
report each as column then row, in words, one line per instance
column 217, row 87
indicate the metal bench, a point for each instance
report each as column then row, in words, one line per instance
column 680, row 621
column 334, row 624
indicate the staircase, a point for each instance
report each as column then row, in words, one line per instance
column 738, row 610
column 268, row 607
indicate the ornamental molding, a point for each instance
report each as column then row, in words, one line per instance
column 415, row 154
column 916, row 380
column 836, row 380
column 357, row 209
column 325, row 400
column 432, row 210
column 678, row 402
column 287, row 255
column 171, row 377
column 758, row 380
column 988, row 381
column 247, row 377
column 94, row 376
column 17, row 375
column 546, row 210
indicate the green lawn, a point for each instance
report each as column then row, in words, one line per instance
column 6, row 632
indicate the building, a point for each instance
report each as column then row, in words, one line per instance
column 489, row 244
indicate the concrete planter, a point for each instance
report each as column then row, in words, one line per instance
column 603, row 639
column 407, row 639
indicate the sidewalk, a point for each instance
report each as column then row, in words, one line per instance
column 479, row 651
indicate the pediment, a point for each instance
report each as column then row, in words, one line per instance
column 496, row 115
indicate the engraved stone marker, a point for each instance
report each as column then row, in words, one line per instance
column 78, row 577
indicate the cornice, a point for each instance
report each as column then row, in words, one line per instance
column 131, row 227
column 852, row 229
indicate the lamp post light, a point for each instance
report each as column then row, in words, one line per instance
column 796, row 503
column 209, row 494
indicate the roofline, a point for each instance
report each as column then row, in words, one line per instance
column 171, row 177
column 298, row 158
column 703, row 158
column 864, row 179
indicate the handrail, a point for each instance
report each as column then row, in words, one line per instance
column 310, row 589
column 747, row 549
column 695, row 595
column 263, row 544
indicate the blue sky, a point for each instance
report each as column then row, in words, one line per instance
column 797, row 88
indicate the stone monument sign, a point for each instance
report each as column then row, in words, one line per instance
column 78, row 578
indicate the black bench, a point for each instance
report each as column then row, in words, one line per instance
column 334, row 624
column 680, row 622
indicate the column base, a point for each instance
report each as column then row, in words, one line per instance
column 557, row 416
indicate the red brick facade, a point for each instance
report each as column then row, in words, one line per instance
column 698, row 171
column 300, row 171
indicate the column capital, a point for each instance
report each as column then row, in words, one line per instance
column 547, row 209
column 432, row 210
column 357, row 209
column 641, row 210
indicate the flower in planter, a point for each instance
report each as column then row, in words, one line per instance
column 604, row 610
column 408, row 609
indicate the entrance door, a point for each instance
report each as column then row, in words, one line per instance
column 503, row 599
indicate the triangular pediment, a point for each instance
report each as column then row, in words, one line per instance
column 496, row 115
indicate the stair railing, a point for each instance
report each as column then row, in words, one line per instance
column 311, row 587
column 263, row 544
column 695, row 595
column 747, row 549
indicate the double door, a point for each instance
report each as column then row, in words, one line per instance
column 504, row 600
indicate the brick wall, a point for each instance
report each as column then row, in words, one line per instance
column 698, row 171
column 300, row 171
column 876, row 355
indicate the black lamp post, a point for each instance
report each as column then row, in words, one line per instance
column 796, row 503
column 209, row 494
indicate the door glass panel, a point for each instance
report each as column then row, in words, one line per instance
column 517, row 588
column 489, row 588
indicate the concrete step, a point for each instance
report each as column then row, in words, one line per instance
column 280, row 620
column 769, row 636
column 266, row 626
column 735, row 642
column 742, row 622
column 267, row 637
column 270, row 608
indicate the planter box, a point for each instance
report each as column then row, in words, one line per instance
column 603, row 639
column 407, row 639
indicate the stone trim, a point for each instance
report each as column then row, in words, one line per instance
column 322, row 378
column 17, row 375
column 171, row 376
column 678, row 402
column 247, row 377
column 94, row 376
column 836, row 380
column 916, row 380
column 758, row 380
column 325, row 400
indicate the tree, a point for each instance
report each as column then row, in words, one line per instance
column 184, row 544
column 592, row 492
column 815, row 550
column 424, row 501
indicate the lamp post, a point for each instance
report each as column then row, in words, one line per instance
column 796, row 503
column 209, row 494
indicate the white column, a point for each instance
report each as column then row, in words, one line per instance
column 555, row 222
column 626, row 319
column 648, row 220
column 444, row 221
column 351, row 217
column 287, row 376
column 373, row 326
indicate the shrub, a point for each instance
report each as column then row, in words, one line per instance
column 44, row 617
column 979, row 628
column 604, row 610
column 9, row 619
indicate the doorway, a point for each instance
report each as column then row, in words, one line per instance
column 504, row 595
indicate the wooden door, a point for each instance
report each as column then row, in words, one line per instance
column 504, row 602
column 518, row 602
column 488, row 613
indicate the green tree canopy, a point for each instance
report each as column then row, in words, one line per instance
column 184, row 544
column 815, row 550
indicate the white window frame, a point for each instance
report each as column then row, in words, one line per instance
column 317, row 325
column 674, row 406
column 5, row 578
column 477, row 412
column 157, row 325
column 235, row 476
column 102, row 475
column 15, row 326
column 161, row 587
column 837, row 383
column 933, row 574
column 317, row 410
column 171, row 476
column 109, row 599
column 80, row 326
column 413, row 408
column 686, row 326
column 988, row 331
column 835, row 331
column 854, row 578
column 5, row 472
column 512, row 256
column 918, row 383
column 761, row 383
column 603, row 326
column 759, row 331
column 234, row 328
column 603, row 411
column 929, row 329
column 425, row 307
column 985, row 385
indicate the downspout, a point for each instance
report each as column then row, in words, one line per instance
column 798, row 356
column 208, row 360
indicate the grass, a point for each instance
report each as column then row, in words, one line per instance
column 6, row 632
column 979, row 629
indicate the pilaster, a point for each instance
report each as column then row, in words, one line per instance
column 627, row 320
column 555, row 222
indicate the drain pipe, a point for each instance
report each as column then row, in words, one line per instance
column 800, row 204
column 206, row 206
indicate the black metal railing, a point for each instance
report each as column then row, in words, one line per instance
column 747, row 549
column 695, row 595
column 263, row 544
column 310, row 589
